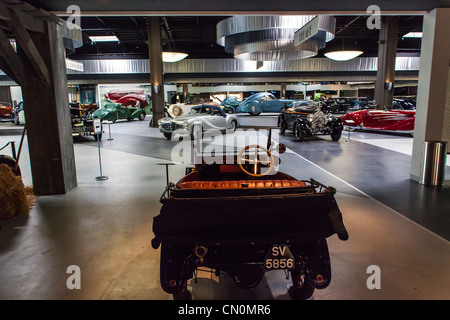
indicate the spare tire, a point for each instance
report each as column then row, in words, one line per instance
column 177, row 111
column 11, row 162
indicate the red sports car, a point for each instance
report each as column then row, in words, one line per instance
column 389, row 121
column 115, row 95
column 129, row 98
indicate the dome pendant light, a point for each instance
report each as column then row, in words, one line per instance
column 343, row 55
column 173, row 56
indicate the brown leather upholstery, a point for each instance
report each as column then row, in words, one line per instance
column 241, row 184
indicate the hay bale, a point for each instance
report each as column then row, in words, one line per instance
column 14, row 200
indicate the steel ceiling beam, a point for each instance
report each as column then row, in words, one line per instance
column 259, row 7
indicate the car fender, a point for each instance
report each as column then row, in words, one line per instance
column 136, row 113
column 280, row 119
column 337, row 124
column 252, row 106
column 105, row 114
column 230, row 119
column 302, row 123
column 256, row 107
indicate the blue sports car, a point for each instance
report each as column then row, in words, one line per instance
column 266, row 102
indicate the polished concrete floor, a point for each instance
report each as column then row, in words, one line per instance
column 105, row 227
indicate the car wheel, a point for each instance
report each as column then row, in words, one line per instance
column 168, row 135
column 336, row 134
column 282, row 126
column 182, row 293
column 299, row 133
column 233, row 125
column 10, row 162
column 142, row 116
column 300, row 293
column 336, row 110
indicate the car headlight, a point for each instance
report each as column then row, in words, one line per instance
column 309, row 117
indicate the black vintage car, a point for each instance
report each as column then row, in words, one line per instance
column 305, row 121
column 338, row 105
column 244, row 219
column 82, row 124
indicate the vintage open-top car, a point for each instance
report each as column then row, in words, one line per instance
column 305, row 121
column 246, row 218
column 399, row 120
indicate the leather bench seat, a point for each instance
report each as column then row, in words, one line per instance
column 241, row 184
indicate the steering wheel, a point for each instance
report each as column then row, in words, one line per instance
column 254, row 159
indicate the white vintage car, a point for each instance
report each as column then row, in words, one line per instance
column 182, row 109
column 179, row 109
column 210, row 117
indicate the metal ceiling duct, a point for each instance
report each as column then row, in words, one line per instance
column 271, row 38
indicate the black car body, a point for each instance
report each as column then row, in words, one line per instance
column 306, row 121
column 220, row 217
column 403, row 104
column 338, row 105
column 82, row 124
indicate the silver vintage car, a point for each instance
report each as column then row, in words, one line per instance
column 210, row 117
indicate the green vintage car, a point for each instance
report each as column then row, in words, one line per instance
column 111, row 111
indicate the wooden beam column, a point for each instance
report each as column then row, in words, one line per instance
column 156, row 69
column 48, row 118
column 38, row 66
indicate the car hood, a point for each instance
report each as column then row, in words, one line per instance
column 190, row 116
column 102, row 112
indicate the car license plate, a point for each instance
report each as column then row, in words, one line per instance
column 279, row 257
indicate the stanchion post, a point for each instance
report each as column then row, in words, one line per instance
column 97, row 131
column 348, row 122
column 109, row 129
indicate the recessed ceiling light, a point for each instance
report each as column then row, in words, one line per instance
column 343, row 55
column 103, row 38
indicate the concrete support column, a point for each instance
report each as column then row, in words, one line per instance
column 156, row 69
column 387, row 48
column 185, row 92
column 283, row 91
column 48, row 117
column 432, row 86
